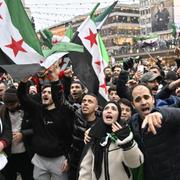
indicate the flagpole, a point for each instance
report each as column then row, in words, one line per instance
column 149, row 54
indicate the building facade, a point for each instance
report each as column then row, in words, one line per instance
column 120, row 28
column 117, row 32
column 132, row 20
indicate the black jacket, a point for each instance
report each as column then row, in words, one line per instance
column 161, row 151
column 122, row 90
column 26, row 129
column 5, row 133
column 165, row 92
column 80, row 126
column 50, row 130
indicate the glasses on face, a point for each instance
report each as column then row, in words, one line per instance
column 139, row 98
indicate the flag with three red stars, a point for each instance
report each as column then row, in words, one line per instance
column 89, row 66
column 18, row 39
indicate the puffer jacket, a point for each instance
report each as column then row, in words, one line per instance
column 80, row 126
column 172, row 101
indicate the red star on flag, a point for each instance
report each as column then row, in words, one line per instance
column 16, row 46
column 104, row 87
column 91, row 38
column 0, row 15
column 98, row 63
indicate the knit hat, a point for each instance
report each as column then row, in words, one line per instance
column 10, row 96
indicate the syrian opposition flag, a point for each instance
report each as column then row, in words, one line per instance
column 18, row 38
column 89, row 66
column 60, row 48
column 147, row 41
column 19, row 45
column 101, row 18
column 49, row 39
column 66, row 38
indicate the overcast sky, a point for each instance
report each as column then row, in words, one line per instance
column 50, row 12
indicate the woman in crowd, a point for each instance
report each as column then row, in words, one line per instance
column 112, row 150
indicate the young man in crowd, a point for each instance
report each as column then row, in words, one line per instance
column 108, row 75
column 126, row 109
column 112, row 93
column 157, row 131
column 5, row 139
column 116, row 70
column 51, row 140
column 85, row 117
column 19, row 160
column 152, row 80
column 76, row 92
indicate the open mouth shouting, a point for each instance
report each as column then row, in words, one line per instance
column 145, row 110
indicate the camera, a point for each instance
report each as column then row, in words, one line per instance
column 129, row 62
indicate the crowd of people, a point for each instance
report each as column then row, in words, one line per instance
column 53, row 128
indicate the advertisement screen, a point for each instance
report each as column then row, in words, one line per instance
column 177, row 13
column 162, row 15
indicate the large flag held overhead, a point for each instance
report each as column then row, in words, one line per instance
column 66, row 38
column 48, row 39
column 89, row 65
column 19, row 44
column 60, row 48
column 18, row 41
column 147, row 41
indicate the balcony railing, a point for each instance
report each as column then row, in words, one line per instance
column 161, row 46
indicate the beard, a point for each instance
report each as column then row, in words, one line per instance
column 154, row 88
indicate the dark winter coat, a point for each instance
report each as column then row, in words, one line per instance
column 5, row 133
column 161, row 151
column 26, row 129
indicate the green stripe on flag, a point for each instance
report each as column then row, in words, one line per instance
column 46, row 37
column 63, row 47
column 21, row 21
column 145, row 37
column 101, row 18
column 69, row 32
column 103, row 50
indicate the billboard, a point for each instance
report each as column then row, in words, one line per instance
column 162, row 15
column 177, row 13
